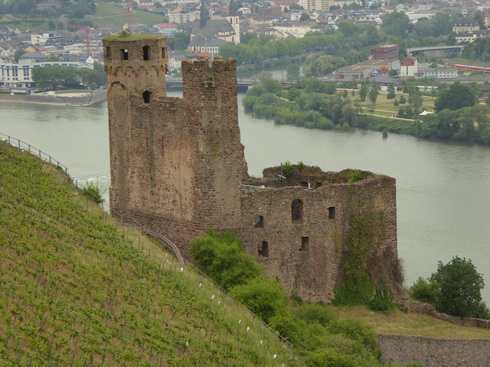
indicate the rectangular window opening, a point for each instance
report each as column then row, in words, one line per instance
column 331, row 212
column 146, row 53
column 125, row 54
column 259, row 221
column 263, row 249
column 163, row 52
column 107, row 53
column 146, row 97
column 305, row 243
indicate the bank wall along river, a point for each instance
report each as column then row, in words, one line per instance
column 443, row 189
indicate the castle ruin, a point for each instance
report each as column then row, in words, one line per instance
column 178, row 167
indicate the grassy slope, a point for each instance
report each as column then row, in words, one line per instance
column 412, row 324
column 78, row 290
column 108, row 14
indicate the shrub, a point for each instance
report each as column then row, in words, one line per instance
column 331, row 358
column 94, row 193
column 318, row 313
column 263, row 296
column 424, row 291
column 355, row 176
column 357, row 330
column 287, row 169
column 220, row 256
column 382, row 301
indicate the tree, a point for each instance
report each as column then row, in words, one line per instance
column 396, row 24
column 363, row 92
column 456, row 97
column 391, row 92
column 460, row 289
column 18, row 54
column 179, row 41
column 373, row 93
column 220, row 255
column 263, row 296
column 304, row 17
column 53, row 77
column 293, row 72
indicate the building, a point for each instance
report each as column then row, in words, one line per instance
column 312, row 5
column 178, row 168
column 367, row 69
column 442, row 73
column 389, row 52
column 465, row 27
column 180, row 16
column 408, row 67
column 208, row 35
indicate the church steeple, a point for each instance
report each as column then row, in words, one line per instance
column 233, row 8
column 204, row 14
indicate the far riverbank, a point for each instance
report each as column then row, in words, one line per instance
column 82, row 98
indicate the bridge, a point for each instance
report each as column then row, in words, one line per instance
column 456, row 48
column 242, row 84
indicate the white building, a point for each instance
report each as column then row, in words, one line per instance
column 408, row 67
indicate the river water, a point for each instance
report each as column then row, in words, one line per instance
column 443, row 189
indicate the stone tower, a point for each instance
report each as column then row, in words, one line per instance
column 177, row 164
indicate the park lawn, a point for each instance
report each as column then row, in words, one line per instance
column 401, row 323
column 109, row 14
column 385, row 107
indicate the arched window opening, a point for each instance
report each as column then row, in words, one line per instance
column 146, row 96
column 146, row 53
column 297, row 211
column 263, row 249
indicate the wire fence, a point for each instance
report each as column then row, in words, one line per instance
column 267, row 355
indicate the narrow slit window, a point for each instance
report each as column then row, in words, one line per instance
column 163, row 52
column 163, row 146
column 146, row 53
column 331, row 212
column 259, row 221
column 305, row 244
column 125, row 54
column 147, row 97
column 297, row 211
column 108, row 53
column 263, row 249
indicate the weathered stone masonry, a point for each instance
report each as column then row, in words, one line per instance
column 178, row 166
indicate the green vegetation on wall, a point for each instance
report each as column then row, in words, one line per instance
column 366, row 230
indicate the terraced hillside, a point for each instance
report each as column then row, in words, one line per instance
column 77, row 289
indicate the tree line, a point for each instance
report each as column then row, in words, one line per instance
column 312, row 103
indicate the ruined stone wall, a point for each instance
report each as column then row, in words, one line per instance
column 177, row 167
column 431, row 352
column 177, row 164
column 305, row 254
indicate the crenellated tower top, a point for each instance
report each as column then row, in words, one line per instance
column 137, row 62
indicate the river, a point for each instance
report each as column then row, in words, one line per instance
column 443, row 188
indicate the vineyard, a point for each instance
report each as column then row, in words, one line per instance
column 79, row 289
